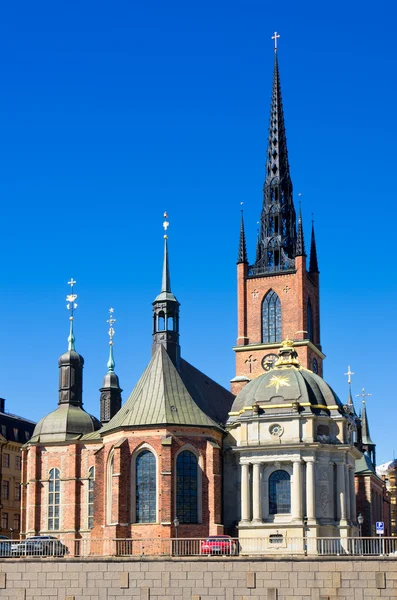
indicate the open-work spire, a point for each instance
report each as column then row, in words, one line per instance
column 278, row 218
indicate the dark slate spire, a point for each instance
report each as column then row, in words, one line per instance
column 313, row 264
column 242, row 247
column 166, row 312
column 300, row 242
column 365, row 434
column 110, row 401
column 278, row 218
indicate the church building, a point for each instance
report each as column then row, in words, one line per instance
column 272, row 460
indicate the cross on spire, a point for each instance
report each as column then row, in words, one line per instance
column 275, row 38
column 363, row 395
column 349, row 374
column 71, row 306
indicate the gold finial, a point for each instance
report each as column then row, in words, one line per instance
column 165, row 225
column 349, row 374
column 275, row 38
column 287, row 343
column 111, row 320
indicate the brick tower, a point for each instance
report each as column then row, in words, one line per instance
column 277, row 296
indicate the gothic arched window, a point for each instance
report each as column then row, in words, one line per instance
column 186, row 487
column 54, row 501
column 145, row 487
column 279, row 492
column 90, row 498
column 309, row 320
column 271, row 318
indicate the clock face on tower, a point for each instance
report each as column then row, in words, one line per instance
column 268, row 361
column 315, row 366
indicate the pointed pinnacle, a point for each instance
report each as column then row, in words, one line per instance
column 365, row 435
column 242, row 248
column 166, row 281
column 300, row 242
column 313, row 264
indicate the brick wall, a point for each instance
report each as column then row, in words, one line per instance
column 197, row 579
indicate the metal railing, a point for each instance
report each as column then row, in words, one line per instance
column 202, row 547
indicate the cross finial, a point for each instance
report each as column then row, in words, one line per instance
column 111, row 320
column 349, row 374
column 165, row 224
column 275, row 38
column 363, row 395
column 71, row 306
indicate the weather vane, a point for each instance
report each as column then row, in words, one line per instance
column 165, row 224
column 111, row 320
column 275, row 37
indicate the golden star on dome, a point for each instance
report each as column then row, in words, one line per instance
column 278, row 381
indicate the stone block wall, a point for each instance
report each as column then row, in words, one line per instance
column 198, row 579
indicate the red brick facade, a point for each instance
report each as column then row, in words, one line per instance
column 294, row 290
column 113, row 514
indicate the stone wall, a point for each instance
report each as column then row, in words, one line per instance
column 198, row 579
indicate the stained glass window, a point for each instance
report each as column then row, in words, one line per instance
column 309, row 320
column 279, row 493
column 186, row 487
column 271, row 318
column 54, row 501
column 145, row 484
column 91, row 478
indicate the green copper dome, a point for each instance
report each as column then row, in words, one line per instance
column 67, row 422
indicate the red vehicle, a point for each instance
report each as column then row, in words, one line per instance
column 219, row 544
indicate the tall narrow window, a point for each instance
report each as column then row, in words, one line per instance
column 109, row 488
column 5, row 489
column 90, row 498
column 271, row 318
column 309, row 320
column 279, row 493
column 186, row 487
column 54, row 487
column 145, row 487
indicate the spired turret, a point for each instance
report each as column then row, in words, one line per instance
column 166, row 313
column 69, row 420
column 110, row 401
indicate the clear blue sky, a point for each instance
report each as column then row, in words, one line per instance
column 111, row 113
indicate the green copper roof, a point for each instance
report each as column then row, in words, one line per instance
column 364, row 466
column 165, row 396
column 67, row 422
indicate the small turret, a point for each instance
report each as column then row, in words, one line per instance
column 110, row 402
